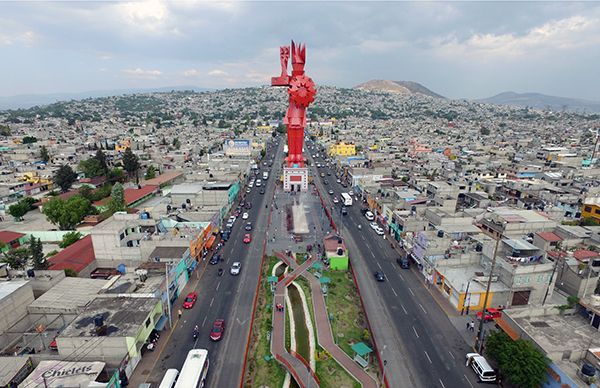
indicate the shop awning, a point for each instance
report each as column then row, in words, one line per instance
column 211, row 242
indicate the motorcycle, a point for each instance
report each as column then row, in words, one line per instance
column 220, row 272
column 359, row 227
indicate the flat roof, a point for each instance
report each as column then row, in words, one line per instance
column 7, row 288
column 70, row 294
column 459, row 277
column 9, row 367
column 122, row 317
column 168, row 252
column 520, row 245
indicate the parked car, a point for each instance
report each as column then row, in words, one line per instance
column 403, row 262
column 190, row 300
column 235, row 268
column 490, row 314
column 218, row 328
column 373, row 225
column 379, row 276
column 369, row 216
column 215, row 259
column 248, row 205
column 379, row 231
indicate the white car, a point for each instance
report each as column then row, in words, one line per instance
column 351, row 193
column 245, row 216
column 374, row 225
column 369, row 216
column 235, row 268
column 335, row 200
column 379, row 231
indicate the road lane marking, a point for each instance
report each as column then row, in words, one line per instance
column 443, row 386
column 405, row 312
column 429, row 358
column 401, row 277
column 211, row 301
column 218, row 284
column 394, row 291
column 379, row 265
column 204, row 321
column 451, row 355
column 411, row 291
column 422, row 308
column 468, row 381
column 415, row 330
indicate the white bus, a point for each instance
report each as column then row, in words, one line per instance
column 346, row 199
column 194, row 370
column 169, row 378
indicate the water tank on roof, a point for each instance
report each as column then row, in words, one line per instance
column 340, row 251
column 478, row 248
column 440, row 233
column 98, row 321
column 121, row 268
column 30, row 273
column 588, row 370
column 169, row 208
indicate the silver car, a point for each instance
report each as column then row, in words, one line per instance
column 235, row 268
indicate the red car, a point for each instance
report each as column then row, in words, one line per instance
column 490, row 315
column 190, row 299
column 247, row 238
column 217, row 330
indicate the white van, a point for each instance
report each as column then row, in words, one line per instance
column 481, row 367
column 169, row 379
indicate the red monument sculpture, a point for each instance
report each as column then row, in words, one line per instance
column 301, row 92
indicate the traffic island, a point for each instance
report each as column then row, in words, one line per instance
column 263, row 370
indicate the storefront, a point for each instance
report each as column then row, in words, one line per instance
column 49, row 374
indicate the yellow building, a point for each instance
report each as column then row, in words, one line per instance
column 591, row 208
column 121, row 147
column 342, row 149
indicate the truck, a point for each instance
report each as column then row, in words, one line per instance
column 265, row 175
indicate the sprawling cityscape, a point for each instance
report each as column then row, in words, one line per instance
column 296, row 234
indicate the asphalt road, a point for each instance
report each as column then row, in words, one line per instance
column 227, row 297
column 413, row 334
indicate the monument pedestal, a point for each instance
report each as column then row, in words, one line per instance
column 295, row 179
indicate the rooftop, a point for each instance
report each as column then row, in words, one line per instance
column 459, row 277
column 70, row 294
column 168, row 252
column 7, row 288
column 549, row 236
column 122, row 317
column 7, row 236
column 76, row 256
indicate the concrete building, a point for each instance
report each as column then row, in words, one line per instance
column 15, row 296
column 70, row 296
column 109, row 329
column 342, row 149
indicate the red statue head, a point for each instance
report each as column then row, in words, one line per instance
column 298, row 58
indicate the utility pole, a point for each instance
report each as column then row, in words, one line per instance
column 479, row 338
column 550, row 281
column 589, row 268
column 168, row 295
column 466, row 298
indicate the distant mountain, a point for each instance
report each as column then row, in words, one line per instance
column 401, row 87
column 542, row 101
column 29, row 100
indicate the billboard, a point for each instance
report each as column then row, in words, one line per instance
column 237, row 147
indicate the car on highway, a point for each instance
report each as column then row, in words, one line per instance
column 218, row 328
column 248, row 190
column 344, row 210
column 338, row 181
column 248, row 226
column 379, row 276
column 490, row 314
column 247, row 238
column 190, row 300
column 262, row 190
column 335, row 199
column 245, row 216
column 325, row 182
column 330, row 192
column 369, row 216
column 379, row 231
column 373, row 225
column 215, row 259
column 351, row 193
column 235, row 268
column 258, row 183
column 403, row 262
column 248, row 205
column 225, row 234
column 328, row 173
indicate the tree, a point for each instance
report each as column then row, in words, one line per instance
column 117, row 199
column 520, row 361
column 116, row 175
column 70, row 273
column 29, row 139
column 176, row 143
column 91, row 168
column 67, row 214
column 17, row 258
column 86, row 192
column 65, row 177
column 101, row 158
column 131, row 163
column 44, row 155
column 69, row 238
column 4, row 130
column 37, row 254
column 484, row 131
column 150, row 173
column 18, row 210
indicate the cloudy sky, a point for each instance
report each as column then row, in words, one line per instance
column 458, row 49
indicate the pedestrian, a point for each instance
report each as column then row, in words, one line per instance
column 472, row 325
column 468, row 326
column 179, row 313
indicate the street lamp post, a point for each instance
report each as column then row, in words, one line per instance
column 467, row 299
column 479, row 338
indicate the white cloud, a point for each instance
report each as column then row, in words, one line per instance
column 26, row 38
column 138, row 72
column 191, row 73
column 147, row 16
column 564, row 34
column 217, row 73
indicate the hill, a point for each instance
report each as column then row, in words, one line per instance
column 542, row 101
column 400, row 87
